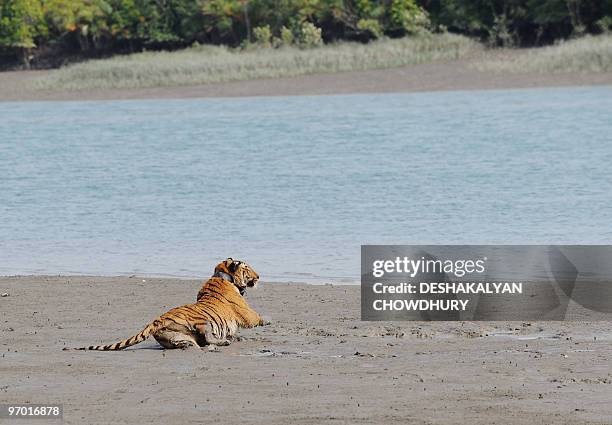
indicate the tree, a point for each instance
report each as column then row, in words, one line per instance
column 21, row 23
column 86, row 20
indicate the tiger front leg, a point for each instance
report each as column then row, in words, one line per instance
column 210, row 337
column 254, row 320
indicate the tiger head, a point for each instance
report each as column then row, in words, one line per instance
column 238, row 272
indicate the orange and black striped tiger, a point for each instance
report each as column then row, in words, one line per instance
column 216, row 316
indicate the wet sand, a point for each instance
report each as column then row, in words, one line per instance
column 316, row 362
column 436, row 76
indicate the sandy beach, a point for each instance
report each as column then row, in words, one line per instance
column 435, row 76
column 316, row 362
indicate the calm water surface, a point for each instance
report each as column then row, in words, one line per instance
column 295, row 185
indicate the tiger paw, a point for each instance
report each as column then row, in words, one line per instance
column 218, row 343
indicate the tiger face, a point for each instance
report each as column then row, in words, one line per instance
column 241, row 273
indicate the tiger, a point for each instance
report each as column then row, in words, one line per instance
column 219, row 311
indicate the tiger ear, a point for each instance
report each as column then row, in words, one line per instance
column 232, row 267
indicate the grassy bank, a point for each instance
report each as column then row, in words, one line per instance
column 213, row 64
column 587, row 54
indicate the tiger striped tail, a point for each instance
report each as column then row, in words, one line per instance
column 136, row 339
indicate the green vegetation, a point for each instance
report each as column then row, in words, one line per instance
column 32, row 30
column 586, row 54
column 210, row 64
column 21, row 22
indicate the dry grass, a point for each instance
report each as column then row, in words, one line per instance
column 213, row 64
column 586, row 54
